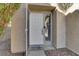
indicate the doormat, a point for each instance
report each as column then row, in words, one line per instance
column 60, row 52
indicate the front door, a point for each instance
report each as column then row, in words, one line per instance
column 35, row 29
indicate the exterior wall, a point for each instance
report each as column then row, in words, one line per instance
column 18, row 37
column 26, row 29
column 61, row 41
column 72, row 31
column 54, row 28
column 58, row 29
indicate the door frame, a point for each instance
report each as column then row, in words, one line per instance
column 43, row 23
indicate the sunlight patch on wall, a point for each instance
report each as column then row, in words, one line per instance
column 63, row 7
column 66, row 8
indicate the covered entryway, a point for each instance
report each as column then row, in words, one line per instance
column 38, row 18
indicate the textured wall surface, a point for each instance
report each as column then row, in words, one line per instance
column 18, row 35
column 72, row 31
column 61, row 41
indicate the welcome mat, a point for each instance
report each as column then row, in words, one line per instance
column 60, row 52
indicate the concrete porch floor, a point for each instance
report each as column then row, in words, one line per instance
column 36, row 53
column 8, row 53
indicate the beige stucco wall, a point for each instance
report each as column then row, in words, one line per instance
column 18, row 37
column 72, row 31
column 58, row 29
column 61, row 30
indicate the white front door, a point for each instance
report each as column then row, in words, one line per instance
column 36, row 25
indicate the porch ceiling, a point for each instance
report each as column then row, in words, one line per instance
column 40, row 8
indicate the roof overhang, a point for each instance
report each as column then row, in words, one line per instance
column 40, row 8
